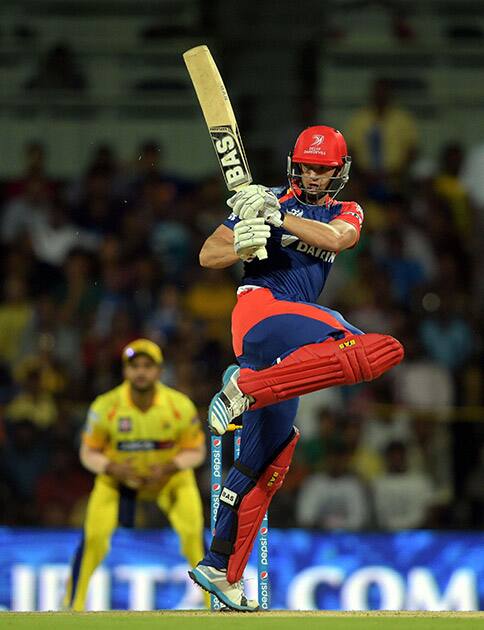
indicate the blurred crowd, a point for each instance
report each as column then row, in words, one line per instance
column 92, row 263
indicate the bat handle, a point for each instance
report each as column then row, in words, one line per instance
column 261, row 253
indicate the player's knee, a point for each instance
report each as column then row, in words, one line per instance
column 191, row 540
column 191, row 529
column 98, row 538
column 388, row 355
column 379, row 354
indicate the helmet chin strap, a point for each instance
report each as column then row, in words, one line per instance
column 313, row 198
column 340, row 179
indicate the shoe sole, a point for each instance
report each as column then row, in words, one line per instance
column 207, row 586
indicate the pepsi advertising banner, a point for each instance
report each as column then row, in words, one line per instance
column 416, row 570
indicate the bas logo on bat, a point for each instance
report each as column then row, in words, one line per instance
column 231, row 156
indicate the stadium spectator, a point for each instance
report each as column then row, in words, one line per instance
column 34, row 402
column 402, row 499
column 76, row 294
column 450, row 189
column 165, row 318
column 24, row 458
column 334, row 499
column 53, row 236
column 314, row 450
column 35, row 158
column 64, row 338
column 444, row 330
column 23, row 211
column 423, row 383
column 210, row 299
column 382, row 423
column 405, row 273
column 96, row 210
column 15, row 315
column 382, row 137
column 58, row 69
column 61, row 489
column 364, row 462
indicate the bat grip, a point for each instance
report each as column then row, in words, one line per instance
column 261, row 253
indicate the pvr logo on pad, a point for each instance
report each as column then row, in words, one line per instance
column 273, row 479
column 347, row 344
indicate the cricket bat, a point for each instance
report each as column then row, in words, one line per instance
column 220, row 119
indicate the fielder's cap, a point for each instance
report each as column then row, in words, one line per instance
column 143, row 346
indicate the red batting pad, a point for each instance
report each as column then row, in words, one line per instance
column 253, row 507
column 351, row 360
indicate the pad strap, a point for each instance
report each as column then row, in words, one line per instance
column 245, row 470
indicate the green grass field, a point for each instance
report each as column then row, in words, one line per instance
column 191, row 620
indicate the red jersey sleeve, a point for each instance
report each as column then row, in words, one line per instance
column 352, row 213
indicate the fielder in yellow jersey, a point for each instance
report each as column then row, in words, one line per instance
column 142, row 440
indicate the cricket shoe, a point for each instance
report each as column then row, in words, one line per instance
column 214, row 581
column 229, row 403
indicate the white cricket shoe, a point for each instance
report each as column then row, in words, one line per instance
column 229, row 403
column 215, row 582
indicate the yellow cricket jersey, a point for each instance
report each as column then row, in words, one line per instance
column 123, row 431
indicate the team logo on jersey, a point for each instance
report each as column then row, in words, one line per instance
column 297, row 212
column 125, row 424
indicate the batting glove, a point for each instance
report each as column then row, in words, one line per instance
column 249, row 236
column 256, row 201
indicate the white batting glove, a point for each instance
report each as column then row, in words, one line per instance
column 249, row 236
column 256, row 201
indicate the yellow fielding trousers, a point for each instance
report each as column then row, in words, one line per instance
column 179, row 500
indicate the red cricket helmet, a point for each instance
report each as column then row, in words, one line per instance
column 319, row 145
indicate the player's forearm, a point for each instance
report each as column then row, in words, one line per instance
column 318, row 234
column 94, row 461
column 217, row 253
column 189, row 458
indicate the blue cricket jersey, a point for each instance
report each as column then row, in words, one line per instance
column 294, row 270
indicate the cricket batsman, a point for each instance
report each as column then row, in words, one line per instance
column 285, row 344
column 142, row 441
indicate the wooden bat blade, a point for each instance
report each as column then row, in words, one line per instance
column 219, row 116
